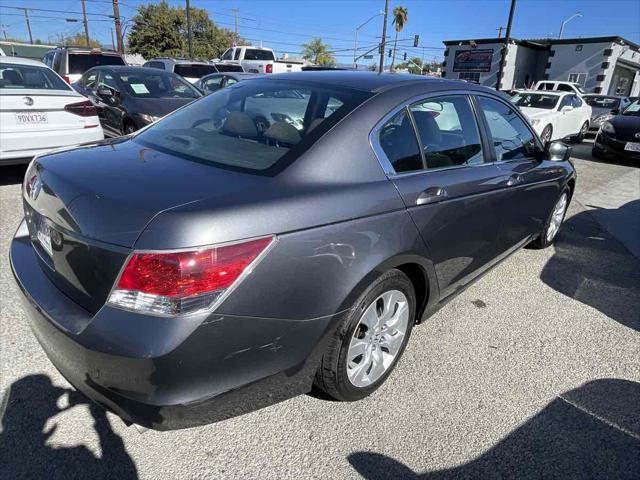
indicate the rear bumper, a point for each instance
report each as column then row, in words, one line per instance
column 612, row 147
column 169, row 373
column 19, row 145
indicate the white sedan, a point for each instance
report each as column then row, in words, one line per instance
column 39, row 111
column 555, row 115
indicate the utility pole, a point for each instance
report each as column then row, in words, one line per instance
column 86, row 23
column 26, row 17
column 505, row 49
column 189, row 33
column 499, row 31
column 383, row 40
column 116, row 20
column 113, row 42
column 235, row 17
column 4, row 31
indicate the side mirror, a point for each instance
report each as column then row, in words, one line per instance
column 566, row 108
column 557, row 151
column 106, row 93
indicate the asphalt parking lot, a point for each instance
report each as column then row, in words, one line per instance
column 533, row 372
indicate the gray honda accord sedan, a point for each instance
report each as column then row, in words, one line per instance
column 212, row 264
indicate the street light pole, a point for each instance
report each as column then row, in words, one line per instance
column 505, row 49
column 577, row 14
column 355, row 45
column 383, row 40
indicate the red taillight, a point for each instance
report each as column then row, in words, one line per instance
column 84, row 109
column 183, row 282
column 269, row 68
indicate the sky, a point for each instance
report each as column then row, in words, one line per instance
column 286, row 24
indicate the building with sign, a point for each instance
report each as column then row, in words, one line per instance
column 607, row 65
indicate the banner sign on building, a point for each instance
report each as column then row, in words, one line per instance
column 472, row 60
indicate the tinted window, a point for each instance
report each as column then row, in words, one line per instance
column 81, row 62
column 248, row 126
column 545, row 86
column 227, row 55
column 448, row 131
column 253, row 54
column 107, row 80
column 57, row 59
column 565, row 88
column 212, row 83
column 149, row 84
column 193, row 70
column 512, row 139
column 159, row 65
column 229, row 68
column 89, row 80
column 398, row 140
column 236, row 55
column 29, row 77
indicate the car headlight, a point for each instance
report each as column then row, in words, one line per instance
column 607, row 127
column 149, row 118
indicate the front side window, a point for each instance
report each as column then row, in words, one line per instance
column 577, row 103
column 398, row 140
column 448, row 131
column 511, row 138
column 236, row 55
column 228, row 54
column 28, row 77
column 565, row 102
column 231, row 81
column 107, row 80
column 251, row 126
column 149, row 84
column 90, row 79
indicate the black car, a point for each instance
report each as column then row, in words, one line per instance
column 202, row 267
column 129, row 98
column 603, row 107
column 619, row 136
column 216, row 81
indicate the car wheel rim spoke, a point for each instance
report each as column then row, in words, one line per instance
column 556, row 217
column 377, row 338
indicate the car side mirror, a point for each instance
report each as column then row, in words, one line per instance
column 106, row 94
column 566, row 108
column 557, row 151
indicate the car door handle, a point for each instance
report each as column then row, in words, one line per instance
column 432, row 195
column 514, row 180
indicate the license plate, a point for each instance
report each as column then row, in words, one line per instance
column 31, row 118
column 44, row 236
column 632, row 147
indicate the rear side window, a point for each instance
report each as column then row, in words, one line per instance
column 545, row 86
column 565, row 88
column 398, row 140
column 448, row 131
column 81, row 62
column 254, row 54
column 213, row 83
column 27, row 77
column 512, row 139
column 193, row 70
column 252, row 126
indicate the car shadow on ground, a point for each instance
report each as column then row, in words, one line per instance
column 591, row 266
column 592, row 432
column 24, row 450
column 12, row 174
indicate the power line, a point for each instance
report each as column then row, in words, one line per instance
column 54, row 11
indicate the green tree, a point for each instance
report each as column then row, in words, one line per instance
column 161, row 30
column 400, row 18
column 414, row 66
column 318, row 52
column 79, row 40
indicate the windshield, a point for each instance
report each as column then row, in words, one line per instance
column 252, row 125
column 143, row 84
column 603, row 102
column 29, row 77
column 81, row 62
column 193, row 70
column 633, row 109
column 535, row 100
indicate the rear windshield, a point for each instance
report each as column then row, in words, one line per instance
column 603, row 102
column 193, row 70
column 29, row 77
column 81, row 62
column 252, row 126
column 229, row 68
column 535, row 100
column 254, row 54
column 159, row 84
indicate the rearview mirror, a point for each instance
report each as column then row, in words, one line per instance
column 557, row 151
column 566, row 108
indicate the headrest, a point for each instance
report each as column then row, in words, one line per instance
column 239, row 124
column 283, row 132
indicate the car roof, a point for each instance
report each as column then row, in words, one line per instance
column 557, row 93
column 603, row 96
column 371, row 81
column 21, row 61
column 177, row 60
column 130, row 69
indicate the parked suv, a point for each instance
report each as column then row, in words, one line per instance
column 71, row 62
column 188, row 69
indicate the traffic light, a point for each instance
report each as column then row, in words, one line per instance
column 405, row 56
column 390, row 51
column 416, row 40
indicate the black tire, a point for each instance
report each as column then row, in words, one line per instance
column 129, row 127
column 542, row 241
column 332, row 375
column 546, row 134
column 579, row 138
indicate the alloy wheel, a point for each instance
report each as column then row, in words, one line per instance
column 377, row 338
column 546, row 134
column 556, row 217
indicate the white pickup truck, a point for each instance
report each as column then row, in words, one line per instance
column 258, row 60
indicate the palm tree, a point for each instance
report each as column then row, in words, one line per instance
column 400, row 17
column 318, row 52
